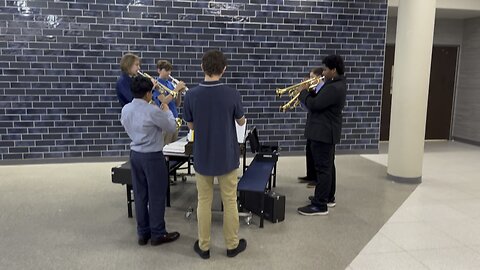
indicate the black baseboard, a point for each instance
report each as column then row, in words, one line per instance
column 337, row 152
column 467, row 141
column 61, row 160
column 124, row 159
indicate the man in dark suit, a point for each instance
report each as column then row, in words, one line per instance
column 323, row 129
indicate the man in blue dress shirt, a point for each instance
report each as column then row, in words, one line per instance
column 144, row 124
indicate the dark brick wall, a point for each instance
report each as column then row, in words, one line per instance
column 59, row 63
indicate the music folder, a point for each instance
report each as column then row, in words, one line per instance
column 241, row 132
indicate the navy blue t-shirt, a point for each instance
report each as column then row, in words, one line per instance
column 213, row 108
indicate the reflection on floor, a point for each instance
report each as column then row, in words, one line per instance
column 438, row 226
column 70, row 216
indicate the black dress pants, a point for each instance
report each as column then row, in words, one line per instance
column 324, row 160
column 150, row 183
column 311, row 174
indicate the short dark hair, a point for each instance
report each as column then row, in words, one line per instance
column 334, row 62
column 164, row 64
column 141, row 86
column 127, row 61
column 317, row 71
column 214, row 62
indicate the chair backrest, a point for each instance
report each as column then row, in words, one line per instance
column 253, row 140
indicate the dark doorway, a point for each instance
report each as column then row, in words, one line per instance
column 440, row 96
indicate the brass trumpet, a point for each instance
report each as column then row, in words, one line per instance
column 175, row 82
column 179, row 122
column 162, row 88
column 293, row 92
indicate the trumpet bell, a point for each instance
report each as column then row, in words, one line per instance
column 280, row 91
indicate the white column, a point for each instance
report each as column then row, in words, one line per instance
column 413, row 56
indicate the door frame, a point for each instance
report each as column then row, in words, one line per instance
column 455, row 87
column 455, row 92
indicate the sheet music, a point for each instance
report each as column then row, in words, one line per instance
column 241, row 131
column 176, row 147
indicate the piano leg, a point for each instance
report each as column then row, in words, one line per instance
column 129, row 201
column 168, row 194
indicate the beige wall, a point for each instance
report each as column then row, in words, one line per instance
column 447, row 31
column 449, row 4
column 466, row 123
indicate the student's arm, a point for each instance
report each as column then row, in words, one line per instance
column 179, row 88
column 241, row 121
column 239, row 114
column 324, row 99
column 178, row 100
column 165, row 99
column 163, row 118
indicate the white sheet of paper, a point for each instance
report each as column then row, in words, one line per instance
column 241, row 131
column 176, row 147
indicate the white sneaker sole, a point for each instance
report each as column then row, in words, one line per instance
column 330, row 205
column 313, row 214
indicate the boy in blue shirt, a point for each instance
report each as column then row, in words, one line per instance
column 211, row 109
column 144, row 124
column 164, row 69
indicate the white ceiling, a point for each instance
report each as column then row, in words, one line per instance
column 444, row 13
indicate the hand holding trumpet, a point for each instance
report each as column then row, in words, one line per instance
column 180, row 84
column 303, row 87
column 295, row 90
column 159, row 86
column 164, row 107
column 180, row 87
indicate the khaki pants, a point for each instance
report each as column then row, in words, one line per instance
column 170, row 137
column 228, row 188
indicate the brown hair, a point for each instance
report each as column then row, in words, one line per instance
column 127, row 61
column 214, row 62
column 164, row 64
column 317, row 71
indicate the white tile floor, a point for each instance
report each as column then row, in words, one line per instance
column 438, row 226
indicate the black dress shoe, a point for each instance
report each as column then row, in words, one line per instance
column 305, row 179
column 203, row 254
column 143, row 240
column 312, row 185
column 167, row 238
column 242, row 245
